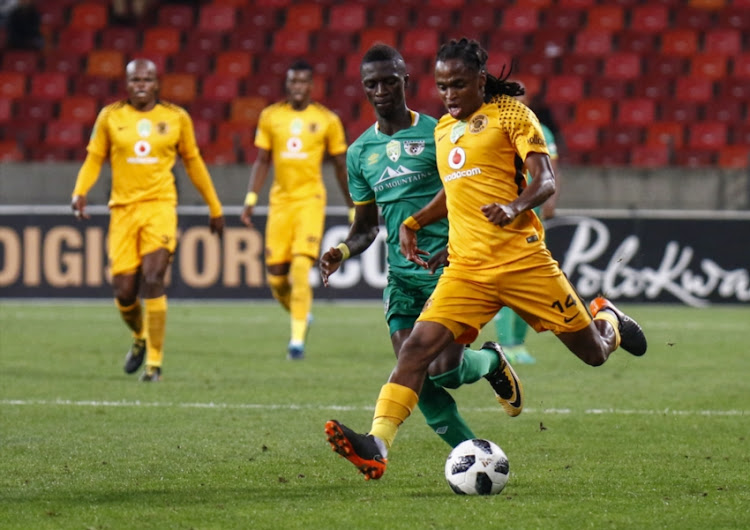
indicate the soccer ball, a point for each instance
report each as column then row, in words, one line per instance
column 477, row 467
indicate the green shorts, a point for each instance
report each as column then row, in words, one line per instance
column 404, row 298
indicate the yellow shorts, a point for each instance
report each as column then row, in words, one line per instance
column 139, row 229
column 534, row 287
column 295, row 228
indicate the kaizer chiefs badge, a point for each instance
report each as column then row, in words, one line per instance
column 478, row 123
column 161, row 127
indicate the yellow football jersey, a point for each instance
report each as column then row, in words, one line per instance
column 142, row 149
column 298, row 141
column 481, row 161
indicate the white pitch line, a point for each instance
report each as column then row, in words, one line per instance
column 280, row 406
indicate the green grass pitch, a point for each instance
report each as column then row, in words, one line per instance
column 233, row 435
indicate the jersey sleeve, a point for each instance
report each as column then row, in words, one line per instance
column 188, row 145
column 263, row 132
column 359, row 189
column 525, row 132
column 99, row 141
column 336, row 136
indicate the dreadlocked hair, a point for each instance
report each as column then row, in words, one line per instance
column 475, row 57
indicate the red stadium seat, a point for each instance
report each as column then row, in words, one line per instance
column 420, row 42
column 734, row 157
column 593, row 42
column 32, row 109
column 722, row 41
column 594, row 112
column 519, row 19
column 54, row 16
column 660, row 65
column 694, row 158
column 669, row 133
column 561, row 112
column 676, row 110
column 63, row 62
column 347, row 17
column 739, row 133
column 258, row 17
column 370, row 36
column 564, row 89
column 10, row 152
column 694, row 18
column 94, row 87
column 726, row 110
column 511, row 43
column 638, row 112
column 735, row 17
column 209, row 110
column 202, row 130
column 304, row 17
column 25, row 132
column 64, row 133
column 88, row 16
column 25, row 62
column 680, row 42
column 219, row 154
column 710, row 135
column 654, row 87
column 439, row 19
column 75, row 41
column 273, row 66
column 537, row 64
column 202, row 41
column 219, row 87
column 80, row 109
column 239, row 134
column 649, row 157
column 605, row 17
column 580, row 137
column 650, row 18
column 162, row 40
column 325, row 66
column 106, row 63
column 562, row 19
column 291, row 42
column 622, row 65
column 119, row 38
column 49, row 153
column 247, row 109
column 735, row 88
column 609, row 88
column 233, row 63
column 477, row 20
column 50, row 85
column 398, row 16
column 708, row 65
column 6, row 110
column 741, row 66
column 216, row 18
column 636, row 42
column 190, row 63
column 177, row 16
column 178, row 88
column 249, row 39
column 697, row 89
column 584, row 65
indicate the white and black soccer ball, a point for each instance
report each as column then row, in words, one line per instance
column 477, row 467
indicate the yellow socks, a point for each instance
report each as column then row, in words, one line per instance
column 132, row 315
column 610, row 317
column 156, row 320
column 280, row 289
column 394, row 405
column 301, row 298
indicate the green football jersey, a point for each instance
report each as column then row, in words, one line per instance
column 400, row 174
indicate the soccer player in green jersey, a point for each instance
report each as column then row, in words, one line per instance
column 392, row 166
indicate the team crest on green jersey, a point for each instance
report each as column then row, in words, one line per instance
column 413, row 147
column 144, row 128
column 393, row 150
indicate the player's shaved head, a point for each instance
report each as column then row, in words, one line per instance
column 137, row 64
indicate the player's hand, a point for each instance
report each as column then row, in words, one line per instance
column 79, row 207
column 246, row 215
column 330, row 263
column 499, row 214
column 438, row 260
column 407, row 239
column 216, row 225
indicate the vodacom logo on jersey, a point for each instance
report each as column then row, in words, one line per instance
column 142, row 149
column 456, row 160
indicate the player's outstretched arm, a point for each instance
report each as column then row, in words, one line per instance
column 362, row 233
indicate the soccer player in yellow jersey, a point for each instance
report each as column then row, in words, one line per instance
column 142, row 137
column 495, row 244
column 294, row 135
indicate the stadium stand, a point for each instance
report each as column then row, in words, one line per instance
column 631, row 83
